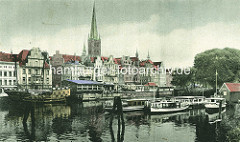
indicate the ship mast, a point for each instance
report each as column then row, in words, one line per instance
column 216, row 75
column 216, row 80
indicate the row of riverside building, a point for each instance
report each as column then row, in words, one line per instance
column 35, row 69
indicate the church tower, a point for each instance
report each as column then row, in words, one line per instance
column 94, row 41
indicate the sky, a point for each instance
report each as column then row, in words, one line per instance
column 173, row 31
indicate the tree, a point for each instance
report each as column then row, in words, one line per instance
column 183, row 80
column 225, row 61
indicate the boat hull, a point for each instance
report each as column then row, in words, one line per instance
column 168, row 110
column 15, row 95
column 213, row 108
column 127, row 108
column 55, row 97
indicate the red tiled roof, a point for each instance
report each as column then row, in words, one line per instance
column 22, row 57
column 233, row 87
column 134, row 59
column 93, row 59
column 7, row 57
column 118, row 62
column 71, row 58
column 150, row 84
column 142, row 63
column 104, row 59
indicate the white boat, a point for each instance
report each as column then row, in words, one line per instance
column 191, row 100
column 212, row 105
column 168, row 107
column 128, row 105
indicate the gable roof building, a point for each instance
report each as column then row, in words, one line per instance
column 231, row 91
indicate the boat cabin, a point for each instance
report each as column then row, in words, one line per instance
column 136, row 102
column 166, row 105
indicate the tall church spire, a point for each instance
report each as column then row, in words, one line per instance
column 94, row 41
column 94, row 32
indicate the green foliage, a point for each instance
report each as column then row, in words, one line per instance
column 183, row 80
column 226, row 61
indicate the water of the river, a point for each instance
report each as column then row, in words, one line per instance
column 88, row 122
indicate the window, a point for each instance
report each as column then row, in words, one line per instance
column 14, row 82
column 29, row 79
column 29, row 71
column 5, row 73
column 0, row 73
column 225, row 93
column 1, row 82
column 14, row 74
column 10, row 73
column 5, row 82
column 10, row 82
column 36, row 71
column 24, row 71
column 24, row 79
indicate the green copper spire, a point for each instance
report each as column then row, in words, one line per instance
column 94, row 32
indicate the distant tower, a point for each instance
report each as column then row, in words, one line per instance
column 84, row 50
column 94, row 41
column 148, row 57
column 136, row 54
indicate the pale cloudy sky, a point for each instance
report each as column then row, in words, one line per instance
column 173, row 31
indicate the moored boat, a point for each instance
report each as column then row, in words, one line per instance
column 59, row 95
column 214, row 104
column 168, row 107
column 193, row 101
column 128, row 105
column 39, row 96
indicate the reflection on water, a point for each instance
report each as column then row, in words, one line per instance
column 89, row 122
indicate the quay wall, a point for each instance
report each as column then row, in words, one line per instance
column 109, row 96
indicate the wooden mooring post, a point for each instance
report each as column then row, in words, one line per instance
column 117, row 110
column 220, row 109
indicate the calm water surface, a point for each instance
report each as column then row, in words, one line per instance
column 88, row 122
